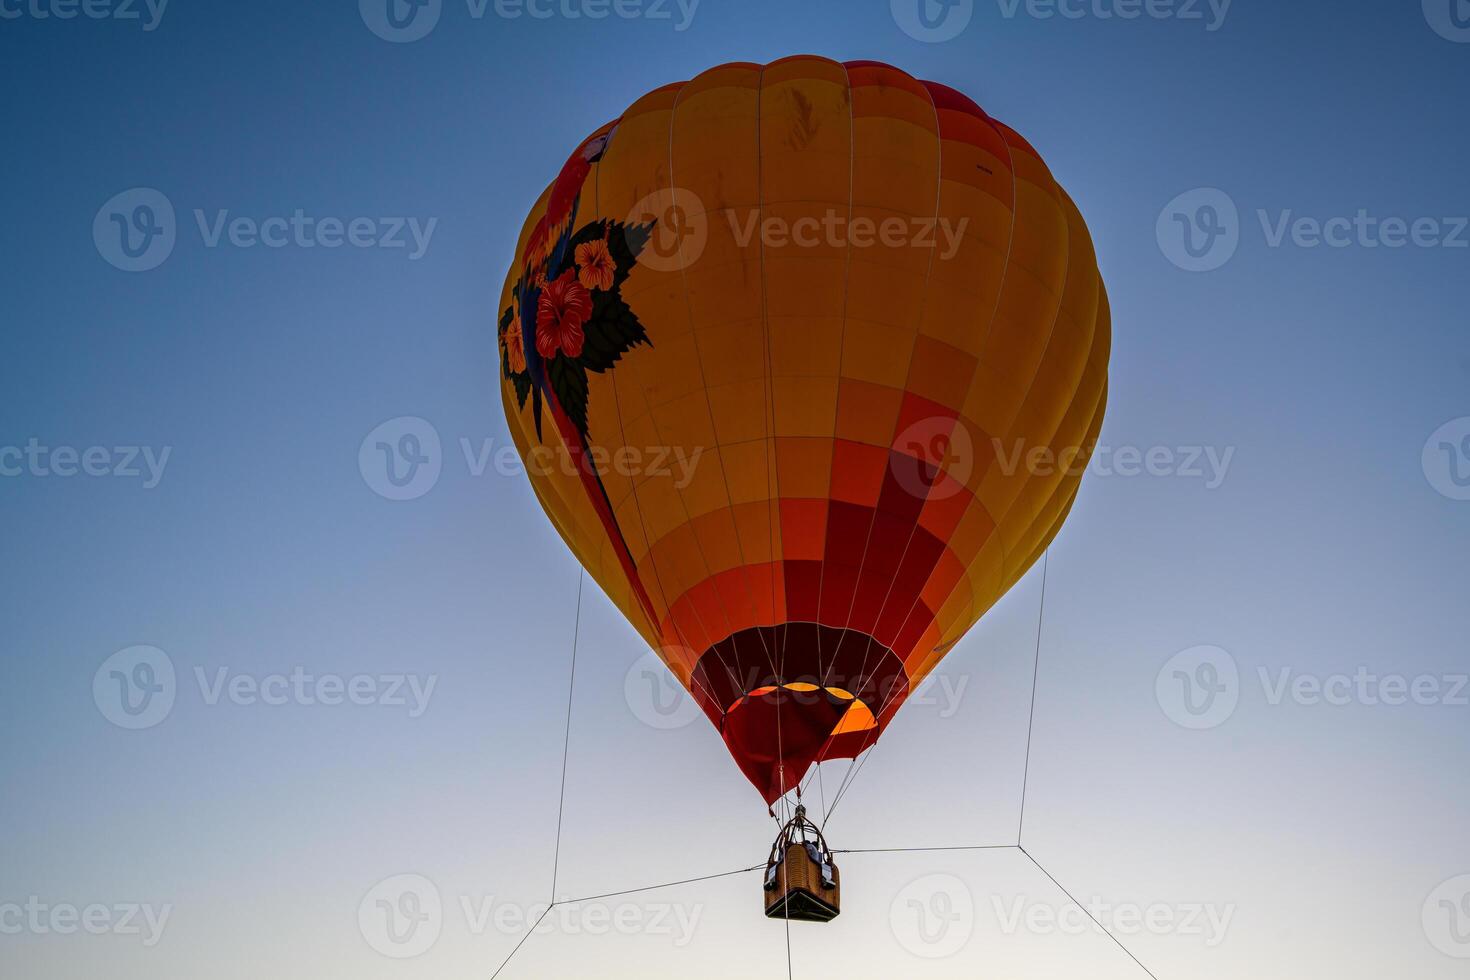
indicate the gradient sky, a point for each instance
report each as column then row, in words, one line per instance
column 1331, row 835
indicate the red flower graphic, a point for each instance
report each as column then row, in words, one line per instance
column 564, row 306
column 596, row 266
column 515, row 345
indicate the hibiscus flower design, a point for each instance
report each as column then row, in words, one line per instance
column 515, row 343
column 595, row 265
column 571, row 306
column 564, row 306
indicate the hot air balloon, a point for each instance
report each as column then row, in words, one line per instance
column 867, row 323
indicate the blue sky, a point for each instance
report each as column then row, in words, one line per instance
column 1333, row 544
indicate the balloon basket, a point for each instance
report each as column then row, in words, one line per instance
column 802, row 882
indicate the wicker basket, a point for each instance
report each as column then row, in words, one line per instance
column 797, row 891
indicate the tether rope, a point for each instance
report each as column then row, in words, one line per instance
column 852, row 772
column 567, row 735
column 1035, row 675
column 907, row 850
column 529, row 933
column 666, row 884
column 1085, row 911
column 846, row 783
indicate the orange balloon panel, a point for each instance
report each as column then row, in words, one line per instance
column 806, row 361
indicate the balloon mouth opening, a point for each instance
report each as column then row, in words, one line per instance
column 856, row 717
column 787, row 696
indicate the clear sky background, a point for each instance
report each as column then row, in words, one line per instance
column 1330, row 839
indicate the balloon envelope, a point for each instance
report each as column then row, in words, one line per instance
column 805, row 361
